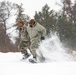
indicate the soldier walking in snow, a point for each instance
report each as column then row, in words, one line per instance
column 36, row 33
column 24, row 40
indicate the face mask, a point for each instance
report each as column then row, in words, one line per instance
column 31, row 25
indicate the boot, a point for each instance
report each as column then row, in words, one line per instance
column 25, row 56
column 33, row 60
column 42, row 59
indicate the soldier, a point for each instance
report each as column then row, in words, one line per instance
column 36, row 33
column 24, row 40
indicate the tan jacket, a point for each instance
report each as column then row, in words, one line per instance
column 36, row 32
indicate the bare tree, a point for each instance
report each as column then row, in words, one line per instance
column 6, row 9
column 5, row 12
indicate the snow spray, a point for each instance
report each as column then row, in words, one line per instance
column 53, row 50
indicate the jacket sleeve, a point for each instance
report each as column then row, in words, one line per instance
column 42, row 30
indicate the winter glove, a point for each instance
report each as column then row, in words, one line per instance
column 42, row 38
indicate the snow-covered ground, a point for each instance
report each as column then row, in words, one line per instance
column 11, row 64
column 59, row 61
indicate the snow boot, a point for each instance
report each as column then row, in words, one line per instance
column 33, row 60
column 42, row 59
column 25, row 56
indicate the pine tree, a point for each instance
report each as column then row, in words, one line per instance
column 46, row 17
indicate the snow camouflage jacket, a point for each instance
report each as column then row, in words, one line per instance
column 24, row 34
column 36, row 32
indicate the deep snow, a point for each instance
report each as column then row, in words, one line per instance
column 58, row 62
column 10, row 64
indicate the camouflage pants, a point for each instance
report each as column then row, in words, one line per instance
column 34, row 45
column 22, row 47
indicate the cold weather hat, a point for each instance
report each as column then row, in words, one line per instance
column 32, row 21
column 21, row 21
